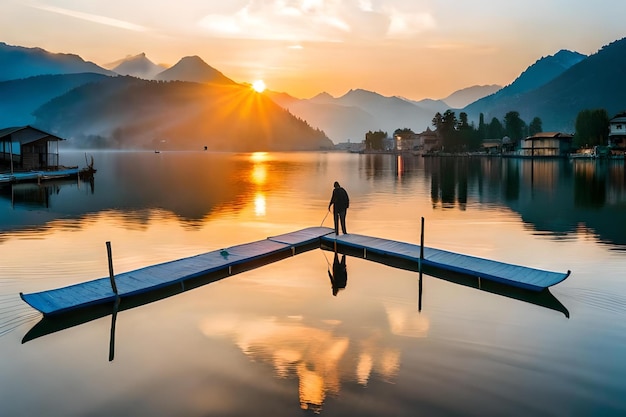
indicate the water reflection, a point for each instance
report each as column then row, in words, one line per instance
column 28, row 196
column 339, row 275
column 323, row 354
column 319, row 355
column 554, row 197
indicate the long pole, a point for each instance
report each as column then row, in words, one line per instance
column 419, row 301
column 11, row 153
column 111, row 276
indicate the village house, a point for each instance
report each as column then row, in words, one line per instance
column 26, row 148
column 617, row 132
column 492, row 146
column 405, row 141
column 546, row 144
column 426, row 142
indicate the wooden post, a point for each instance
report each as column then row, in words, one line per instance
column 419, row 283
column 112, row 338
column 111, row 276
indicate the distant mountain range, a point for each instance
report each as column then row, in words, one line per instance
column 99, row 108
column 19, row 62
column 137, row 66
column 91, row 104
column 128, row 112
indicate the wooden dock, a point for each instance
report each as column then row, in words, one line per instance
column 39, row 176
column 240, row 258
column 517, row 276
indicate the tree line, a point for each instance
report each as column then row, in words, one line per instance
column 457, row 134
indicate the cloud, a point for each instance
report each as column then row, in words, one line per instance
column 316, row 20
column 90, row 17
column 308, row 20
column 405, row 25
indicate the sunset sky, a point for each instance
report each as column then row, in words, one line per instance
column 411, row 48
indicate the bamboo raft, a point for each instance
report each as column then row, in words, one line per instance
column 240, row 258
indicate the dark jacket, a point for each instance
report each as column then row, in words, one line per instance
column 340, row 200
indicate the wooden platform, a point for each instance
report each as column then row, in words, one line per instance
column 235, row 259
column 514, row 275
column 36, row 176
column 247, row 256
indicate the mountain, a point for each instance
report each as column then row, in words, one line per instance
column 462, row 98
column 597, row 81
column 543, row 71
column 349, row 117
column 340, row 123
column 138, row 66
column 538, row 74
column 193, row 69
column 24, row 96
column 127, row 112
column 20, row 62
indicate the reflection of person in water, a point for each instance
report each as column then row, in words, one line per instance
column 339, row 276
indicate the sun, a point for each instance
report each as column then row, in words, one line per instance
column 258, row 86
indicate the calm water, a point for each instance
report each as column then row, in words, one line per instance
column 274, row 340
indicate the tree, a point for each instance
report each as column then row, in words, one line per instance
column 495, row 130
column 514, row 125
column 468, row 137
column 375, row 140
column 592, row 128
column 404, row 130
column 483, row 132
column 535, row 127
column 447, row 130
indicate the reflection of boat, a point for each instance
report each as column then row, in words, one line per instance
column 542, row 298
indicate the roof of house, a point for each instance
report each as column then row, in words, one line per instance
column 550, row 135
column 27, row 134
column 619, row 118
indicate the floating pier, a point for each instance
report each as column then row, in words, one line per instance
column 514, row 275
column 39, row 176
column 240, row 258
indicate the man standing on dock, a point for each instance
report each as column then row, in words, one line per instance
column 340, row 202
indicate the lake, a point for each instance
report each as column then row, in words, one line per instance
column 275, row 340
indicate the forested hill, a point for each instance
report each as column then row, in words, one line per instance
column 126, row 112
column 21, row 97
column 596, row 82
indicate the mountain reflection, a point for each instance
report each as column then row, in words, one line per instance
column 554, row 197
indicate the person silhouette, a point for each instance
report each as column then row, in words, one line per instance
column 339, row 276
column 340, row 202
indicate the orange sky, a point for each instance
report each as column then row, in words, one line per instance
column 412, row 48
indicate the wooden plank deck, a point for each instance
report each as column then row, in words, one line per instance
column 247, row 256
column 34, row 176
column 514, row 275
column 157, row 276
